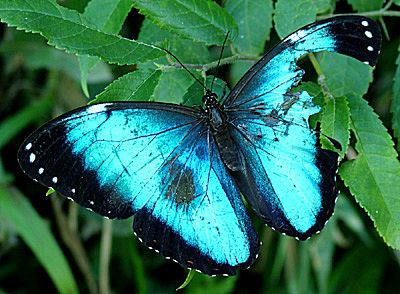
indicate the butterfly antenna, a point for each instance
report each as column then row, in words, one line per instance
column 181, row 64
column 220, row 56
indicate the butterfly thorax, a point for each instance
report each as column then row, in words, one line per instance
column 218, row 123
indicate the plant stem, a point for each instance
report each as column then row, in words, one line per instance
column 73, row 242
column 381, row 12
column 105, row 254
column 321, row 76
column 207, row 66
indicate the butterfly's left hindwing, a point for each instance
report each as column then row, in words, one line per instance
column 151, row 159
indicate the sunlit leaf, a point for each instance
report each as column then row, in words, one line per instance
column 254, row 19
column 335, row 123
column 291, row 15
column 135, row 86
column 202, row 21
column 374, row 176
column 109, row 17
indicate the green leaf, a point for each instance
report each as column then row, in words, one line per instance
column 366, row 5
column 50, row 191
column 201, row 284
column 254, row 19
column 109, row 17
column 397, row 2
column 323, row 5
column 335, row 124
column 374, row 176
column 189, row 277
column 134, row 86
column 186, row 50
column 202, row 21
column 291, row 15
column 315, row 91
column 395, row 106
column 195, row 92
column 173, row 86
column 69, row 30
column 37, row 235
column 344, row 75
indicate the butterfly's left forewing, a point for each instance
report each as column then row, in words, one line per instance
column 155, row 161
column 289, row 180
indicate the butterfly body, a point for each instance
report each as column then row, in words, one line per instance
column 180, row 171
column 218, row 123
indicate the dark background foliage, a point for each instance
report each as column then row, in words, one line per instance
column 49, row 243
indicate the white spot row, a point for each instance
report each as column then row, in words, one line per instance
column 28, row 146
column 365, row 23
column 368, row 34
column 32, row 158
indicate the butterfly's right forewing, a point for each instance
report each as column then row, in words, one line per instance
column 155, row 161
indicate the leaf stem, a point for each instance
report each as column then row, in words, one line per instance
column 105, row 254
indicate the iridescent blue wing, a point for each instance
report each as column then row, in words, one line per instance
column 289, row 180
column 153, row 160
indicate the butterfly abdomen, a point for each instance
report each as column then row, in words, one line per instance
column 231, row 156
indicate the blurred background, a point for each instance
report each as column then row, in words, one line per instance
column 44, row 235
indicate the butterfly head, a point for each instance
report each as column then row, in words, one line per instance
column 210, row 101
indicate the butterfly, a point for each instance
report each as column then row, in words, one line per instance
column 180, row 171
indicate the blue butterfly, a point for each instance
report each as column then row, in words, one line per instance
column 180, row 171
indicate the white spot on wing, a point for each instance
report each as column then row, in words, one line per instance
column 297, row 36
column 28, row 146
column 370, row 48
column 366, row 62
column 97, row 108
column 41, row 170
column 54, row 180
column 73, row 191
column 364, row 23
column 32, row 158
column 368, row 34
column 91, row 202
